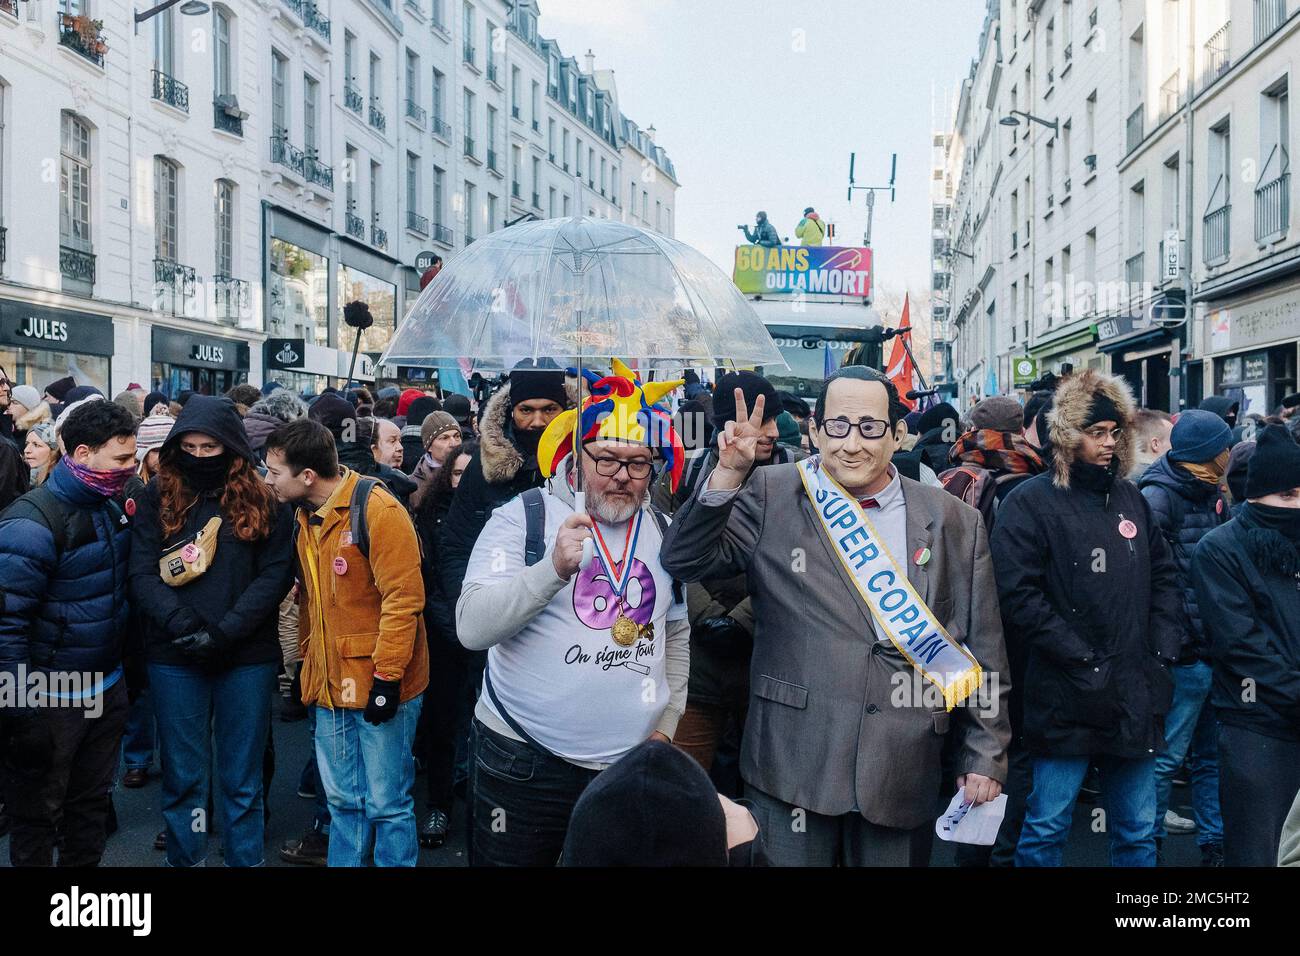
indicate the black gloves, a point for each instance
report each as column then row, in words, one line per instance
column 723, row 636
column 385, row 695
column 199, row 648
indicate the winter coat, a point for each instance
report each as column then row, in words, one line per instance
column 1093, row 617
column 237, row 599
column 69, row 611
column 1186, row 509
column 764, row 234
column 1251, row 609
column 368, row 619
column 258, row 427
column 934, row 450
column 439, row 610
column 1222, row 406
column 810, row 231
column 498, row 472
column 361, row 459
column 412, row 449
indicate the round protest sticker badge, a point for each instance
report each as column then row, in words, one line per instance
column 1128, row 529
column 190, row 553
column 1218, row 507
column 922, row 557
column 340, row 566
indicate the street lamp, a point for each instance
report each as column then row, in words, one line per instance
column 1010, row 120
column 190, row 8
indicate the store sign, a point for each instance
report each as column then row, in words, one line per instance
column 1171, row 263
column 208, row 354
column 424, row 260
column 811, row 270
column 1114, row 327
column 41, row 327
column 1023, row 371
column 1267, row 320
column 188, row 350
column 285, row 353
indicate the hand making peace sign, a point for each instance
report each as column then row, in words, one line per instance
column 737, row 443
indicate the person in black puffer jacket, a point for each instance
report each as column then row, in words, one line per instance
column 64, row 612
column 1247, row 579
column 1090, row 598
column 1182, row 488
column 213, row 641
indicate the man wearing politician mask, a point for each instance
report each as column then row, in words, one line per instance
column 876, row 632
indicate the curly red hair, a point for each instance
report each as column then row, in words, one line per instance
column 247, row 502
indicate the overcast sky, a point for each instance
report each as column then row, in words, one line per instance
column 759, row 104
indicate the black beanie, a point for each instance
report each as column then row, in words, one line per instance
column 331, row 410
column 59, row 389
column 1275, row 466
column 538, row 385
column 753, row 385
column 654, row 807
column 421, row 409
column 1103, row 409
column 935, row 416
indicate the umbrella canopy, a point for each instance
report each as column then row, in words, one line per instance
column 576, row 289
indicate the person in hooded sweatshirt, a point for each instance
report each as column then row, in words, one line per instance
column 211, row 560
column 355, row 439
column 1223, row 406
column 1182, row 488
column 1090, row 600
column 269, row 413
column 1247, row 579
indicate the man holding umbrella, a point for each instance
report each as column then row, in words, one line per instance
column 584, row 663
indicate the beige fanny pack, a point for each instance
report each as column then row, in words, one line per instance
column 182, row 563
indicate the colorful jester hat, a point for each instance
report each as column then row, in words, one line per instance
column 619, row 408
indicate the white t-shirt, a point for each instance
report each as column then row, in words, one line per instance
column 563, row 678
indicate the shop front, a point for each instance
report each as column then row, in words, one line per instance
column 307, row 368
column 1250, row 348
column 1067, row 349
column 203, row 364
column 40, row 344
column 1147, row 355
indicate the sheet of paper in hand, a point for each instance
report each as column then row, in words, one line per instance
column 963, row 823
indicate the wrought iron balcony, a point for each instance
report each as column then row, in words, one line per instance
column 356, row 226
column 231, row 298
column 378, row 237
column 1136, row 127
column 441, row 129
column 353, row 99
column 77, row 264
column 417, row 223
column 223, row 121
column 1216, row 235
column 317, row 172
column 442, row 234
column 1217, row 54
column 1171, row 96
column 170, row 90
column 1273, row 207
column 313, row 20
column 84, row 36
column 175, row 281
column 377, row 118
column 1269, row 15
column 288, row 156
column 416, row 112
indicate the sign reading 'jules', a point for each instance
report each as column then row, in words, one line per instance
column 27, row 325
column 48, row 330
column 213, row 354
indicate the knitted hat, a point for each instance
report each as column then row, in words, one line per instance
column 26, row 395
column 435, row 424
column 388, row 391
column 527, row 385
column 654, row 807
column 936, row 415
column 1275, row 466
column 752, row 385
column 60, row 388
column 332, row 411
column 1103, row 409
column 1198, row 436
column 81, row 391
column 1000, row 413
column 46, row 433
column 420, row 408
column 153, row 431
column 71, row 406
column 408, row 396
column 152, row 401
column 457, row 406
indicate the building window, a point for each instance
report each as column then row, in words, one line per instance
column 438, row 175
column 225, row 238
column 74, row 183
column 222, row 78
column 165, row 211
column 164, row 43
column 310, row 97
column 439, row 113
column 412, row 183
column 413, row 78
column 491, row 213
column 469, row 212
column 279, row 92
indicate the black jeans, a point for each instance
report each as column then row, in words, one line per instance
column 58, row 780
column 1258, row 780
column 444, row 717
column 521, row 800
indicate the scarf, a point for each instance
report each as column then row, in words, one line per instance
column 1210, row 472
column 997, row 451
column 204, row 474
column 1097, row 478
column 107, row 482
column 1274, row 536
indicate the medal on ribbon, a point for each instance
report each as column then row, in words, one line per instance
column 625, row 630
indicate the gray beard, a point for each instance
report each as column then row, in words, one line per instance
column 608, row 513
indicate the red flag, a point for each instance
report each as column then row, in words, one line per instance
column 900, row 369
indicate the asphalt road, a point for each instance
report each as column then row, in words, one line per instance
column 140, row 820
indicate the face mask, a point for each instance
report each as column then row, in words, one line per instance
column 203, row 474
column 1210, row 472
column 528, row 440
column 107, row 482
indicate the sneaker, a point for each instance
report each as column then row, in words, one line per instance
column 311, row 850
column 1174, row 824
column 307, row 789
column 433, row 829
column 135, row 778
column 1212, row 855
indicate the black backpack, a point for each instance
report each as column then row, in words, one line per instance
column 44, row 507
column 357, row 520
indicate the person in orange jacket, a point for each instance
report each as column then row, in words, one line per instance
column 365, row 658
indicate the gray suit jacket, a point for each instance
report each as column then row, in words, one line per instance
column 835, row 721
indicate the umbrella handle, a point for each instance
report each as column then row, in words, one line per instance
column 588, row 547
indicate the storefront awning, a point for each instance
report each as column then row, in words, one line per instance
column 1085, row 336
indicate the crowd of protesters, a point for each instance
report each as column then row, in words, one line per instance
column 413, row 573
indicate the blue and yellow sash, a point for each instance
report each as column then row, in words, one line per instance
column 882, row 584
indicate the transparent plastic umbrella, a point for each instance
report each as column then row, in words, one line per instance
column 577, row 290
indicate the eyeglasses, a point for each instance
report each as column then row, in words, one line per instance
column 1101, row 434
column 609, row 467
column 869, row 427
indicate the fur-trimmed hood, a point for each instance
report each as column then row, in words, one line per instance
column 1070, row 408
column 500, row 457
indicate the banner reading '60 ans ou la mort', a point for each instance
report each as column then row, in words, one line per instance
column 813, row 270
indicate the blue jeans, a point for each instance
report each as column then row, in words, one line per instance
column 310, row 776
column 1190, row 724
column 196, row 709
column 141, row 736
column 1128, row 791
column 367, row 771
